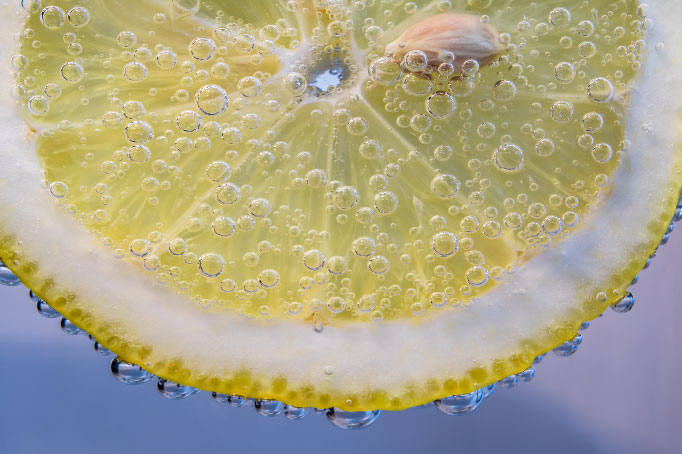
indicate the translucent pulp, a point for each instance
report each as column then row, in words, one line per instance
column 278, row 162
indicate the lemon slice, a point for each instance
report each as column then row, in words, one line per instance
column 362, row 205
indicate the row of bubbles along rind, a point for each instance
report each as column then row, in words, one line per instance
column 133, row 374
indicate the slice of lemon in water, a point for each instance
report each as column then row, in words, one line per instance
column 365, row 205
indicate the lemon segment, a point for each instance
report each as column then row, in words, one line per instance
column 244, row 199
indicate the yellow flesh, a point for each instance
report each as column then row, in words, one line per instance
column 299, row 170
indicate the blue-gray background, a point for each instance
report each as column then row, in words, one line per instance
column 619, row 393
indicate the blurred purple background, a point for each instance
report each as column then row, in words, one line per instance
column 618, row 394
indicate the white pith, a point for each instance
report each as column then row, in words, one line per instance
column 384, row 355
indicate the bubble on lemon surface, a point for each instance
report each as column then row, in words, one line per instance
column 508, row 157
column 211, row 264
column 600, row 90
column 211, row 99
column 71, row 72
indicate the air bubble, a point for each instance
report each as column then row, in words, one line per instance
column 174, row 391
column 370, row 149
column 268, row 278
column 415, row 61
column 268, row 407
column 58, row 189
column 477, row 276
column 562, row 111
column 244, row 43
column 337, row 265
column 249, row 86
column 218, row 171
column 441, row 105
column 602, row 152
column 211, row 264
column 140, row 247
column 504, row 90
column 79, row 16
column 352, row 419
column 544, row 147
column 37, row 105
column 560, row 17
column 460, row 404
column 357, row 126
column 294, row 83
column 138, row 153
column 438, row 299
column 135, row 72
column 223, row 226
column 211, row 100
column 231, row 135
column 166, row 59
column 346, row 197
column 133, row 110
column 461, row 87
column 445, row 186
column 470, row 67
column 188, row 121
column 128, row 373
column 52, row 17
column 508, row 157
column 313, row 259
column 364, row 246
column 126, row 39
column 564, row 72
column 443, row 153
column 71, row 71
column 336, row 305
column 227, row 285
column 30, row 5
column 139, row 132
column 185, row 7
column 228, row 193
column 177, row 246
column 385, row 202
column 600, row 90
column 385, row 71
column 445, row 244
column 491, row 229
column 259, row 208
column 592, row 122
column 202, row 49
column 417, row 84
